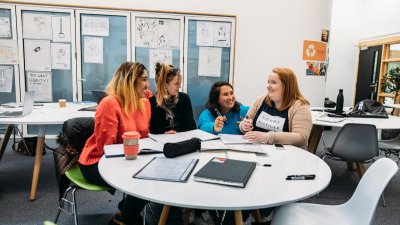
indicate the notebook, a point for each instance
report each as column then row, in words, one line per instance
column 27, row 107
column 183, row 136
column 146, row 146
column 226, row 171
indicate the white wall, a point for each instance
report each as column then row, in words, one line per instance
column 354, row 21
column 270, row 33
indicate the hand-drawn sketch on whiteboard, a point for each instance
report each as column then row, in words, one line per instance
column 96, row 26
column 40, row 82
column 210, row 62
column 6, row 78
column 222, row 34
column 168, row 33
column 205, row 33
column 8, row 52
column 60, row 56
column 37, row 55
column 5, row 27
column 36, row 26
column 146, row 32
column 158, row 55
column 61, row 26
column 93, row 50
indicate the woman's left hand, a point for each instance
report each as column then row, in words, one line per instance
column 170, row 132
column 256, row 136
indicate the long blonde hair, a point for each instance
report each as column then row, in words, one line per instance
column 123, row 86
column 291, row 91
column 164, row 74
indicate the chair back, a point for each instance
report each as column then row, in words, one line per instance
column 356, row 143
column 363, row 203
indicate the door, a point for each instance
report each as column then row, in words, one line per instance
column 368, row 73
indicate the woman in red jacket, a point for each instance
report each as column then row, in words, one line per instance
column 126, row 108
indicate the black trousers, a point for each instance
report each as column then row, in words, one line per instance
column 131, row 206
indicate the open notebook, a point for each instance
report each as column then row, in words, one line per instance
column 183, row 136
column 146, row 146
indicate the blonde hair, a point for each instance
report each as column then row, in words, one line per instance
column 291, row 91
column 164, row 74
column 123, row 86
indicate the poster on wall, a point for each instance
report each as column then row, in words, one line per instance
column 8, row 52
column 60, row 56
column 95, row 26
column 210, row 61
column 168, row 33
column 40, row 82
column 146, row 32
column 61, row 26
column 93, row 50
column 37, row 55
column 316, row 69
column 324, row 35
column 6, row 78
column 314, row 51
column 222, row 34
column 205, row 33
column 5, row 27
column 161, row 56
column 36, row 26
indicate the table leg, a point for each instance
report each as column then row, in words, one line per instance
column 351, row 166
column 360, row 169
column 164, row 215
column 38, row 160
column 257, row 215
column 315, row 136
column 4, row 143
column 238, row 217
column 186, row 216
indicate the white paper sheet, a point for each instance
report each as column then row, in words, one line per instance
column 61, row 26
column 158, row 55
column 93, row 50
column 222, row 34
column 36, row 26
column 40, row 82
column 210, row 61
column 233, row 139
column 146, row 32
column 205, row 34
column 168, row 33
column 5, row 27
column 60, row 56
column 6, row 78
column 8, row 52
column 96, row 26
column 37, row 55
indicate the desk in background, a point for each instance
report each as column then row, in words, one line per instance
column 267, row 186
column 42, row 116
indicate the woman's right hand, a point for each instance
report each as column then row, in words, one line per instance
column 219, row 123
column 246, row 125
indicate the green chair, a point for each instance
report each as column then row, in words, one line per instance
column 74, row 174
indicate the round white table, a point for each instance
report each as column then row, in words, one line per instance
column 267, row 186
column 48, row 114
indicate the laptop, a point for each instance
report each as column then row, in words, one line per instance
column 27, row 107
column 98, row 95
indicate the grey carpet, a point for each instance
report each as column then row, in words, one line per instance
column 98, row 207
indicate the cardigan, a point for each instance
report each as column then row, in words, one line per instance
column 206, row 121
column 183, row 115
column 110, row 123
column 300, row 124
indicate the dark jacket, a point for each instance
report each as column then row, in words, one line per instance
column 74, row 134
column 183, row 115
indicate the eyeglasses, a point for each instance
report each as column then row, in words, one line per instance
column 174, row 71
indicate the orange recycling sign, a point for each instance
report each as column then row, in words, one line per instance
column 314, row 51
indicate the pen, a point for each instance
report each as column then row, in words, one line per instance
column 219, row 114
column 301, row 177
column 267, row 165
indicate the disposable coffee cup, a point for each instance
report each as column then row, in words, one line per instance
column 131, row 144
column 62, row 103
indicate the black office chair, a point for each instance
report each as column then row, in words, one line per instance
column 355, row 143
